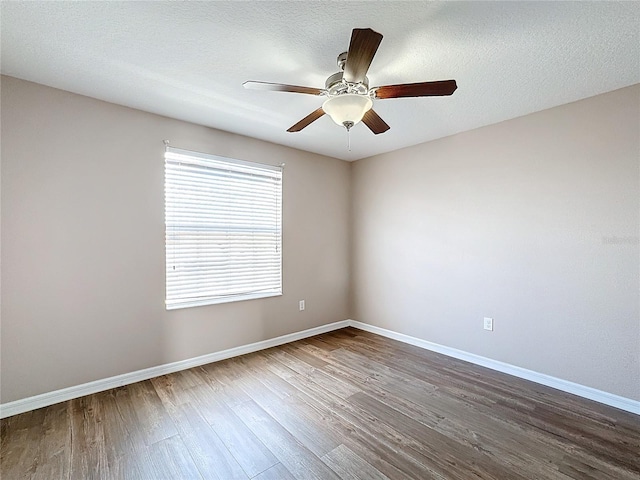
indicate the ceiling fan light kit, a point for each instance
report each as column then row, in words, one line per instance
column 350, row 100
column 347, row 109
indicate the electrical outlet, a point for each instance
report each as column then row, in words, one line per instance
column 301, row 305
column 488, row 323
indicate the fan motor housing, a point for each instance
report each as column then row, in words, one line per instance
column 342, row 60
column 335, row 85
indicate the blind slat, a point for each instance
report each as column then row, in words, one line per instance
column 223, row 223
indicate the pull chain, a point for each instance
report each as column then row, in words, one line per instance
column 348, row 126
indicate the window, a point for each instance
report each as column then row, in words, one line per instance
column 223, row 221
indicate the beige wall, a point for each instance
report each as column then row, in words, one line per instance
column 533, row 222
column 83, row 243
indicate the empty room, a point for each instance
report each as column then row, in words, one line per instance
column 281, row 240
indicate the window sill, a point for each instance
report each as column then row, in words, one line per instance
column 216, row 301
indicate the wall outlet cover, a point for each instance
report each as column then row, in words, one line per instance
column 488, row 323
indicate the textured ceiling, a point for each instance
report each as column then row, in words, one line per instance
column 188, row 60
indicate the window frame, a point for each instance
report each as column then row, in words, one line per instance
column 220, row 164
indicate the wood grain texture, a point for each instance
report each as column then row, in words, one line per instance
column 420, row 89
column 280, row 87
column 347, row 404
column 306, row 121
column 277, row 472
column 372, row 120
column 350, row 466
column 362, row 48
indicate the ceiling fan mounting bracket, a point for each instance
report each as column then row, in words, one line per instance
column 333, row 80
column 336, row 85
column 342, row 60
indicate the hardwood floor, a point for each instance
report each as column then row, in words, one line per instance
column 347, row 404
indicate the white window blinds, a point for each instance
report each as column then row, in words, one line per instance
column 223, row 222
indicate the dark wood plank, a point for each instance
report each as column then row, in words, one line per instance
column 350, row 466
column 119, row 440
column 245, row 447
column 297, row 459
column 142, row 409
column 170, row 459
column 277, row 472
column 545, row 409
column 210, row 455
column 374, row 441
column 455, row 419
column 21, row 443
column 89, row 459
column 56, row 443
column 445, row 455
column 170, row 390
column 268, row 391
column 322, row 378
column 319, row 342
column 346, row 404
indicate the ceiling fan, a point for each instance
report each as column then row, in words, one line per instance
column 349, row 98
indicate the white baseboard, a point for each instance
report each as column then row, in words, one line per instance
column 57, row 396
column 600, row 396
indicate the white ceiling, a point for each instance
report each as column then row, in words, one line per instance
column 187, row 60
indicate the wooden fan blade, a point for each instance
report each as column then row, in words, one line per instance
column 364, row 45
column 279, row 87
column 421, row 89
column 312, row 117
column 372, row 120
